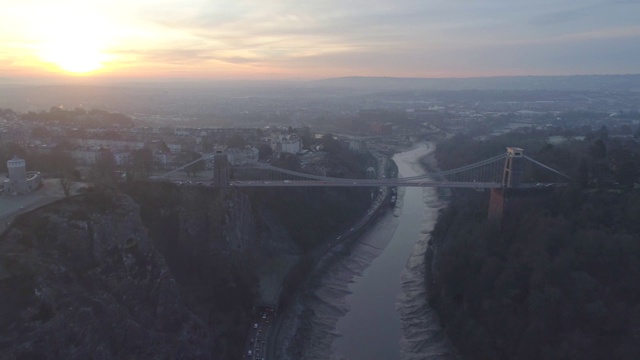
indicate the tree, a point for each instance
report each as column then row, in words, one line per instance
column 236, row 141
column 193, row 169
column 636, row 134
column 307, row 137
column 287, row 161
column 40, row 132
column 163, row 147
column 603, row 133
column 111, row 135
column 78, row 111
column 626, row 130
column 60, row 162
column 264, row 151
column 583, row 173
column 103, row 171
column 142, row 161
column 627, row 172
column 599, row 149
column 12, row 149
column 331, row 145
column 65, row 184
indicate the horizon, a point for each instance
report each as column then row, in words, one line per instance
column 254, row 40
column 112, row 81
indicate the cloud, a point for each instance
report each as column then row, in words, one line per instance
column 182, row 57
column 558, row 17
column 380, row 36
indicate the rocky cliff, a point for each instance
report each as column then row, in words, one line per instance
column 259, row 233
column 163, row 272
column 83, row 280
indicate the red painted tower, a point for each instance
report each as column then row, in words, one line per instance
column 511, row 178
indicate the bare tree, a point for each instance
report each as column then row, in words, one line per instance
column 66, row 186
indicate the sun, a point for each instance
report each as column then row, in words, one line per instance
column 74, row 41
column 74, row 58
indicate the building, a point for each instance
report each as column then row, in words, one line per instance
column 122, row 158
column 84, row 156
column 175, row 148
column 381, row 129
column 243, row 156
column 16, row 136
column 162, row 159
column 312, row 157
column 109, row 144
column 20, row 181
column 358, row 145
column 289, row 143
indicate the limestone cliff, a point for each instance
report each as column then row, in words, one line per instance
column 85, row 281
column 226, row 253
column 225, row 228
column 257, row 235
column 170, row 272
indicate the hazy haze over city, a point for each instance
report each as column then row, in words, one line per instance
column 283, row 39
column 320, row 179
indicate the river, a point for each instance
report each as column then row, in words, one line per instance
column 372, row 304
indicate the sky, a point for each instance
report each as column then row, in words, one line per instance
column 311, row 39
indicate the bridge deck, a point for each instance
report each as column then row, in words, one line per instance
column 363, row 183
column 485, row 174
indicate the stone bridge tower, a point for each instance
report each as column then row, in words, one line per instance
column 511, row 179
column 512, row 173
column 220, row 169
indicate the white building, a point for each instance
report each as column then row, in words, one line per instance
column 160, row 158
column 122, row 158
column 20, row 181
column 175, row 148
column 84, row 156
column 110, row 144
column 289, row 143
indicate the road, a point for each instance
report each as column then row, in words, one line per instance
column 10, row 206
column 255, row 348
column 365, row 183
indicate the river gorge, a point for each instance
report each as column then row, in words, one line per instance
column 372, row 303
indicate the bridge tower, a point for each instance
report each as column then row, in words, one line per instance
column 511, row 179
column 513, row 164
column 220, row 169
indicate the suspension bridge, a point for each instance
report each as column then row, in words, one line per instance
column 507, row 170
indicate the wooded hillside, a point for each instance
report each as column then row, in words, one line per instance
column 560, row 277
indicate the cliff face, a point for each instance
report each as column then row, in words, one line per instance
column 220, row 221
column 176, row 276
column 85, row 281
column 257, row 235
column 227, row 255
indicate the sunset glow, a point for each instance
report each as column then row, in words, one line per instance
column 315, row 39
column 73, row 59
column 72, row 40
